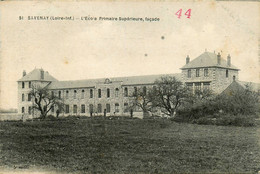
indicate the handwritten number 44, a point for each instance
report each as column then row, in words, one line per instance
column 187, row 13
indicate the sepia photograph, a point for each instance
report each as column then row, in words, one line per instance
column 129, row 87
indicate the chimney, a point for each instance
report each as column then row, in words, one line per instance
column 228, row 60
column 24, row 73
column 42, row 74
column 187, row 59
column 219, row 58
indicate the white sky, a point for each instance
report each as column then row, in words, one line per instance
column 72, row 50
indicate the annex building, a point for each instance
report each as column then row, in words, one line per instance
column 82, row 97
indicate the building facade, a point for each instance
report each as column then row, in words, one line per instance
column 92, row 96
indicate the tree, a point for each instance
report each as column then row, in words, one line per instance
column 45, row 100
column 169, row 94
column 236, row 101
column 143, row 98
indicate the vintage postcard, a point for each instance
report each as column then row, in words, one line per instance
column 129, row 87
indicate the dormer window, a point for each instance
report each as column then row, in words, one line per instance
column 197, row 72
column 107, row 81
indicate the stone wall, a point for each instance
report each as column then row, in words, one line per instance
column 221, row 82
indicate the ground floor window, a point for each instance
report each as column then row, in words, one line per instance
column 197, row 86
column 206, row 85
column 30, row 110
column 82, row 108
column 189, row 86
column 116, row 107
column 91, row 108
column 67, row 108
column 125, row 107
column 99, row 108
column 108, row 107
column 75, row 109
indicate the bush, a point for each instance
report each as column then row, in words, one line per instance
column 236, row 120
column 51, row 118
column 198, row 110
column 238, row 102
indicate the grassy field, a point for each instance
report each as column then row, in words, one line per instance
column 128, row 146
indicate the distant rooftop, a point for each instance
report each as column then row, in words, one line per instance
column 35, row 75
column 132, row 80
column 208, row 59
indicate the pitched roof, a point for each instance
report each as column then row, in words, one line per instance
column 233, row 87
column 208, row 59
column 133, row 80
column 237, row 86
column 35, row 75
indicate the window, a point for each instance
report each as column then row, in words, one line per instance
column 126, row 92
column 22, row 97
column 22, row 84
column 108, row 107
column 227, row 73
column 29, row 110
column 107, row 81
column 99, row 93
column 116, row 107
column 29, row 97
column 135, row 90
column 30, row 84
column 189, row 86
column 75, row 94
column 206, row 72
column 206, row 85
column 22, row 109
column 144, row 90
column 91, row 108
column 116, row 92
column 91, row 93
column 59, row 94
column 67, row 108
column 75, row 109
column 197, row 86
column 83, row 109
column 234, row 78
column 108, row 92
column 197, row 72
column 125, row 107
column 67, row 94
column 83, row 94
column 52, row 109
column 99, row 109
column 189, row 73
